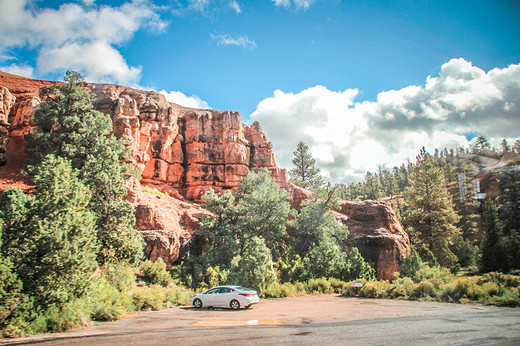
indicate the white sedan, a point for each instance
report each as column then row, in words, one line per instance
column 226, row 296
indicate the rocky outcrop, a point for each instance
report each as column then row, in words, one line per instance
column 166, row 223
column 375, row 230
column 6, row 103
column 184, row 152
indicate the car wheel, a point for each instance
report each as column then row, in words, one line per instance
column 235, row 305
column 197, row 303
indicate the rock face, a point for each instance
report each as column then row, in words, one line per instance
column 6, row 103
column 183, row 152
column 375, row 230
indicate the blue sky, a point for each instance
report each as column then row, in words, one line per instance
column 359, row 66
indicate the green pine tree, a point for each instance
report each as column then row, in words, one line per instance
column 305, row 173
column 68, row 126
column 432, row 217
column 53, row 245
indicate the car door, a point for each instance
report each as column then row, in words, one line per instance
column 211, row 297
column 225, row 296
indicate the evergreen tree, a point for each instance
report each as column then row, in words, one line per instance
column 53, row 245
column 411, row 264
column 254, row 266
column 373, row 188
column 68, row 126
column 15, row 307
column 509, row 214
column 493, row 248
column 432, row 216
column 482, row 143
column 305, row 173
column 315, row 222
column 263, row 208
column 358, row 268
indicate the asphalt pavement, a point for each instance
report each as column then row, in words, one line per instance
column 307, row 320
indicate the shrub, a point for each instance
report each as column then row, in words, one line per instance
column 155, row 273
column 66, row 317
column 438, row 276
column 424, row 289
column 106, row 302
column 119, row 275
column 338, row 285
column 463, row 288
column 178, row 296
column 402, row 288
column 316, row 286
column 375, row 289
column 148, row 298
column 350, row 291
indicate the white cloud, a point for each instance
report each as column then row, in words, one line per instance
column 100, row 61
column 299, row 4
column 63, row 36
column 349, row 138
column 228, row 40
column 19, row 69
column 235, row 6
column 208, row 7
column 187, row 101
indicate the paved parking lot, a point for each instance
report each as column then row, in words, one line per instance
column 320, row 319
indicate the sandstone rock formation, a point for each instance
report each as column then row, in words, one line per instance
column 375, row 230
column 6, row 102
column 183, row 152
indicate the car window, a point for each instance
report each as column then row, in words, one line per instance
column 243, row 289
column 213, row 291
column 226, row 290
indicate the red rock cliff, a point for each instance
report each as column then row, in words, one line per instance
column 183, row 152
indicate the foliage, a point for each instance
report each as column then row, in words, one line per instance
column 119, row 275
column 155, row 273
column 53, row 244
column 305, row 173
column 68, row 126
column 432, row 218
column 358, row 268
column 493, row 248
column 411, row 265
column 254, row 268
column 263, row 208
column 256, row 212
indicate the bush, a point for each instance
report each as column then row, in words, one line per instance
column 148, row 298
column 402, row 288
column 178, row 296
column 338, row 286
column 157, row 297
column 287, row 289
column 376, row 289
column 424, row 289
column 107, row 303
column 119, row 275
column 317, row 286
column 155, row 273
column 463, row 289
column 438, row 276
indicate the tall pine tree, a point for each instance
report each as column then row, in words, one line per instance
column 432, row 215
column 305, row 173
column 68, row 126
